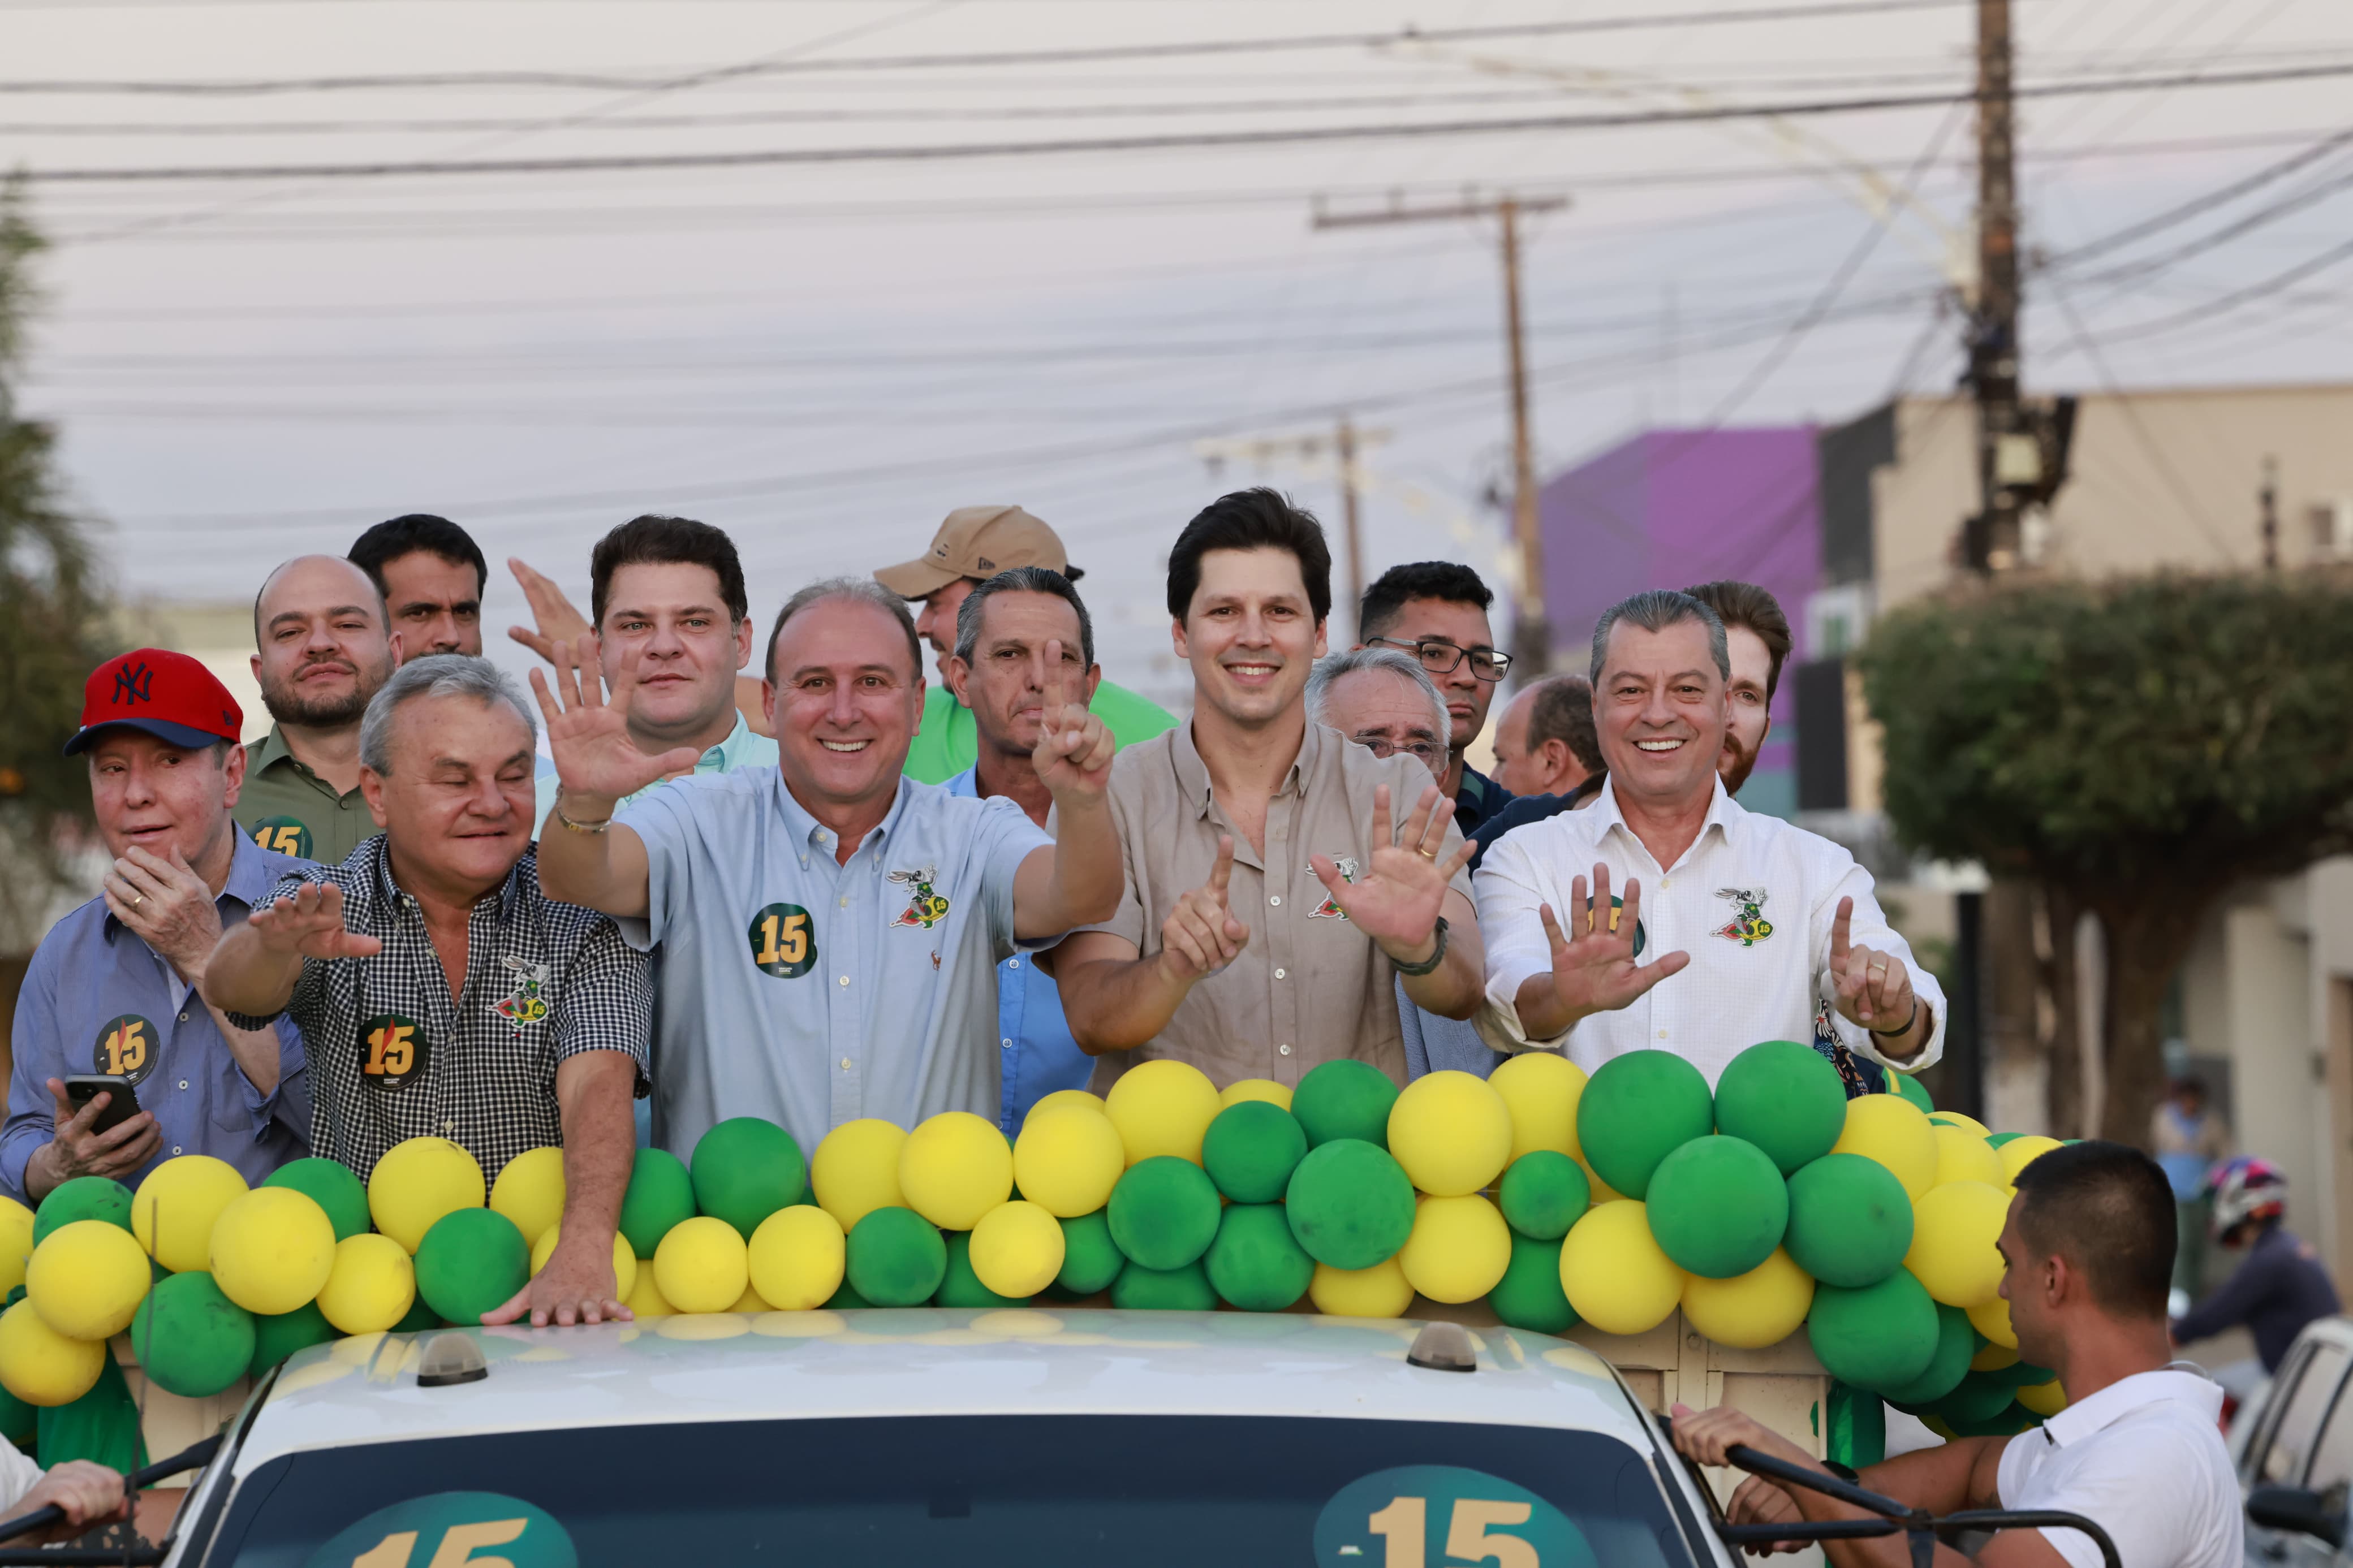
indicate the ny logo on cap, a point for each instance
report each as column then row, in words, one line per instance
column 134, row 683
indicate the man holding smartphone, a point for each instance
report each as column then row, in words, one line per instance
column 112, row 991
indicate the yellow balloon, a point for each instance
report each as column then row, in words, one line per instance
column 417, row 1182
column 1017, row 1248
column 855, row 1170
column 2045, row 1399
column 1993, row 1358
column 702, row 1264
column 1991, row 1318
column 1063, row 1096
column 529, row 1191
column 625, row 1262
column 272, row 1249
column 645, row 1298
column 1542, row 1090
column 1603, row 1192
column 372, row 1285
column 1970, row 1124
column 1892, row 1130
column 1067, row 1160
column 87, row 1279
column 2020, row 1153
column 189, row 1194
column 42, row 1366
column 1963, row 1156
column 1954, row 1228
column 1615, row 1275
column 15, row 1243
column 1380, row 1291
column 1163, row 1106
column 1459, row 1247
column 751, row 1302
column 954, row 1168
column 1264, row 1088
column 1451, row 1133
column 796, row 1257
column 1751, row 1310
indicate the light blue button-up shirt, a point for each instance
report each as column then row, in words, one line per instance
column 1039, row 1054
column 812, row 992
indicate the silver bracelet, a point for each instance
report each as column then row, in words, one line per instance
column 604, row 826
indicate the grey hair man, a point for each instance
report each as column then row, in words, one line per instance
column 441, row 993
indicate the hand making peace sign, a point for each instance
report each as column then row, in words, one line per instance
column 1396, row 899
column 1074, row 748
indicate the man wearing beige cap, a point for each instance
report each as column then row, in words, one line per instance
column 973, row 545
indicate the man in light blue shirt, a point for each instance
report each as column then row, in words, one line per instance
column 829, row 929
column 998, row 674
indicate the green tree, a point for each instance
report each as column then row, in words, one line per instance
column 54, row 616
column 2133, row 747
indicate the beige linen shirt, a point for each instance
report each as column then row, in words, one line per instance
column 1307, row 988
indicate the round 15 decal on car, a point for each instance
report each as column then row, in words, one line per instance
column 445, row 1529
column 1437, row 1516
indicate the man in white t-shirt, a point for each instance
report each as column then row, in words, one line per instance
column 2139, row 1449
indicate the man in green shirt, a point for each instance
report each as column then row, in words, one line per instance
column 973, row 545
column 324, row 648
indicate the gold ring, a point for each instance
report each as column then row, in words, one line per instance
column 1427, row 854
column 138, row 898
column 1879, row 969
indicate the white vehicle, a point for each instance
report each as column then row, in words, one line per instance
column 2292, row 1443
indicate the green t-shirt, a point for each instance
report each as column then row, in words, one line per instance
column 948, row 743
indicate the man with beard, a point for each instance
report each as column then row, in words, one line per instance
column 325, row 648
column 432, row 576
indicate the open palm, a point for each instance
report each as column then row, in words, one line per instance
column 1397, row 899
column 1594, row 970
column 310, row 922
column 588, row 736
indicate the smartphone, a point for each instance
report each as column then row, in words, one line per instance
column 83, row 1087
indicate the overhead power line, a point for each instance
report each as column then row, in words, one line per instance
column 2221, row 197
column 1301, row 135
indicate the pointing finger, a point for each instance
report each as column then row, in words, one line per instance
column 1841, row 925
column 1057, row 691
column 1222, row 872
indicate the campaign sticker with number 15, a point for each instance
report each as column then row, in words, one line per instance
column 1437, row 1516
column 442, row 1529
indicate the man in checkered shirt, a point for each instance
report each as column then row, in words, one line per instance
column 441, row 993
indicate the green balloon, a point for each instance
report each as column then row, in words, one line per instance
column 2010, row 1421
column 419, row 1318
column 897, row 1258
column 1998, row 1139
column 19, row 1421
column 1850, row 1221
column 960, row 1287
column 1344, row 1099
column 84, row 1197
column 846, row 1300
column 1091, row 1259
column 1976, row 1397
column 1909, row 1088
column 2019, row 1375
column 1163, row 1211
column 1142, row 1289
column 191, row 1339
column 1350, row 1204
column 1955, row 1343
column 331, row 1185
column 471, row 1262
column 1256, row 1263
column 1879, row 1337
column 1251, row 1149
column 279, row 1335
column 1529, row 1295
column 1786, row 1098
column 1544, row 1193
column 1635, row 1110
column 660, row 1195
column 1718, row 1206
column 745, row 1170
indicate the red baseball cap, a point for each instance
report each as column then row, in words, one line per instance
column 166, row 694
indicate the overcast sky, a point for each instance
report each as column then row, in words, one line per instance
column 826, row 358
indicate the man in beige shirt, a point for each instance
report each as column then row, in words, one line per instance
column 1279, row 879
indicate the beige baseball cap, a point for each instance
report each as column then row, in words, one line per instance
column 976, row 542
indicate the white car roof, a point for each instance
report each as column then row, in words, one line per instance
column 921, row 1362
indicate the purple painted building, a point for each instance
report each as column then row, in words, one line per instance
column 1671, row 508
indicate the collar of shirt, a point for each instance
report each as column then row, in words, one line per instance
column 807, row 829
column 252, row 872
column 274, row 750
column 2086, row 1416
column 1724, row 814
column 388, row 890
column 741, row 748
column 1193, row 774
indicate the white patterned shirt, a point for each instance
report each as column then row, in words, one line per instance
column 1751, row 902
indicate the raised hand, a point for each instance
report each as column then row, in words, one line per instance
column 1200, row 935
column 1594, row 970
column 1396, row 899
column 168, row 905
column 559, row 622
column 588, row 736
column 1875, row 989
column 1074, row 748
column 310, row 923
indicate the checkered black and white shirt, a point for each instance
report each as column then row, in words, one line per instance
column 393, row 1058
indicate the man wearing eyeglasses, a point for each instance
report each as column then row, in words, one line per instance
column 1436, row 611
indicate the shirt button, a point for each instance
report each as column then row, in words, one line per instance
column 1012, row 963
column 1006, row 1044
column 845, row 900
column 845, row 979
column 845, row 1064
column 1278, row 974
column 1276, row 900
column 176, row 1148
column 1662, row 1034
column 449, row 1127
column 1284, row 1049
column 1665, row 882
column 184, row 1083
column 183, row 1018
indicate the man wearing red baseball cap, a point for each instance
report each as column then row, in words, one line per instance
column 112, row 991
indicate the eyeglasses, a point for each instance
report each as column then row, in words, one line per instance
column 1431, row 757
column 1441, row 657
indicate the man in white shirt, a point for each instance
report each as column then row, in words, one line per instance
column 2138, row 1450
column 88, row 1494
column 1778, row 927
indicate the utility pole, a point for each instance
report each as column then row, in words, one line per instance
column 2007, row 456
column 1264, row 451
column 2269, row 496
column 1356, row 531
column 1531, row 633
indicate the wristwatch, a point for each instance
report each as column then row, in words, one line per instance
column 1437, row 956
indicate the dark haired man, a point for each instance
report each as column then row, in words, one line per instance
column 432, row 576
column 1436, row 611
column 2088, row 1249
column 323, row 648
column 1269, row 904
column 973, row 545
column 1544, row 743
